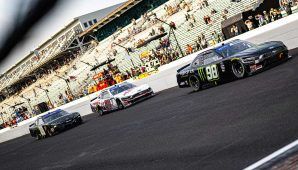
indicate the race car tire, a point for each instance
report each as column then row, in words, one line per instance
column 80, row 121
column 194, row 82
column 119, row 105
column 99, row 111
column 38, row 137
column 238, row 69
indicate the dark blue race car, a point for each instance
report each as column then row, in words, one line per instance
column 233, row 60
column 53, row 123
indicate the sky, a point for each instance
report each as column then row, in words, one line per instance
column 59, row 17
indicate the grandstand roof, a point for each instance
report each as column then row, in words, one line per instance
column 114, row 14
column 41, row 46
column 105, row 13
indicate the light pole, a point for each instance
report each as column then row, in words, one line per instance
column 28, row 100
column 2, row 117
column 127, row 50
column 173, row 32
column 91, row 66
column 11, row 107
column 46, row 91
column 66, row 81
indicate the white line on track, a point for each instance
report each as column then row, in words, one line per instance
column 272, row 156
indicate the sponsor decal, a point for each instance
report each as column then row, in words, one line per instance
column 212, row 72
column 201, row 73
column 234, row 59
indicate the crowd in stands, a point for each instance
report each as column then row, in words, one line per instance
column 164, row 51
column 16, row 117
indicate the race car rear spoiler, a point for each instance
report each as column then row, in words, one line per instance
column 180, row 69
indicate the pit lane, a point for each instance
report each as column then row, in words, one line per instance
column 225, row 127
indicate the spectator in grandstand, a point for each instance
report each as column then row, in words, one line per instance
column 128, row 75
column 170, row 10
column 216, row 38
column 249, row 24
column 224, row 14
column 287, row 5
column 189, row 49
column 185, row 6
column 261, row 20
column 133, row 22
column 173, row 25
column 152, row 32
column 198, row 46
column 161, row 29
column 191, row 20
column 35, row 111
column 202, row 41
column 235, row 30
column 275, row 14
column 213, row 12
column 19, row 119
column 203, row 3
column 266, row 17
column 207, row 19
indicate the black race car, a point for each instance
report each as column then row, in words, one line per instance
column 53, row 123
column 233, row 60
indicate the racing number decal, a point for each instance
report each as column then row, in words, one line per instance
column 108, row 104
column 212, row 72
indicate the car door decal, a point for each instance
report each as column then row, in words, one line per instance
column 212, row 72
column 201, row 73
column 108, row 104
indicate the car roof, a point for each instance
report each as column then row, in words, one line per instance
column 229, row 42
column 52, row 113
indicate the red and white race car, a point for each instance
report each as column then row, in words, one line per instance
column 120, row 96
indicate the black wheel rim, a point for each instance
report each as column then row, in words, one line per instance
column 120, row 105
column 238, row 69
column 99, row 111
column 195, row 83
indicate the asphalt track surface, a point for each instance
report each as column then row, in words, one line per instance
column 226, row 127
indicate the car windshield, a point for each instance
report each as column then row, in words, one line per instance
column 232, row 48
column 53, row 115
column 121, row 88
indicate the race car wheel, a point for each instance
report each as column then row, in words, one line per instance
column 120, row 105
column 99, row 111
column 38, row 137
column 238, row 69
column 80, row 121
column 195, row 83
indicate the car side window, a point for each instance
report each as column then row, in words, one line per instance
column 197, row 61
column 210, row 57
column 106, row 95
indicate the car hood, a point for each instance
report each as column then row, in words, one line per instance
column 132, row 91
column 259, row 49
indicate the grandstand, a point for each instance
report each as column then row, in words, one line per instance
column 78, row 47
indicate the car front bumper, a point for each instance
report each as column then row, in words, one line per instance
column 137, row 97
column 266, row 61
